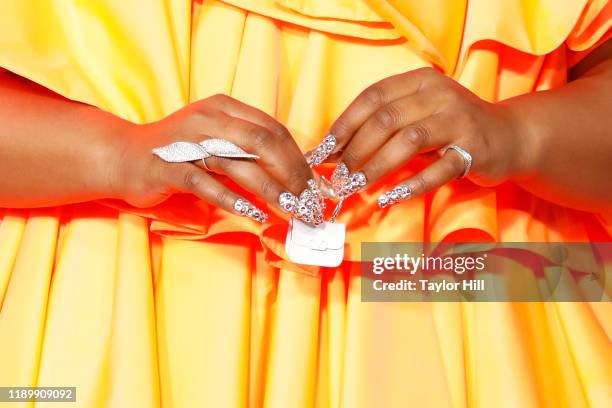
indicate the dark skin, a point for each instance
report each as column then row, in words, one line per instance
column 58, row 152
column 555, row 144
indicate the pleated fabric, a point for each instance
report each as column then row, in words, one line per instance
column 182, row 305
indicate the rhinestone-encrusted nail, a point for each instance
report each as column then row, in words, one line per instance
column 340, row 177
column 318, row 155
column 397, row 194
column 346, row 184
column 308, row 207
column 357, row 182
column 246, row 209
column 288, row 202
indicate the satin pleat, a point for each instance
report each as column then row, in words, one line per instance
column 183, row 305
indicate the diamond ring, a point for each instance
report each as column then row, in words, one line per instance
column 179, row 152
column 467, row 157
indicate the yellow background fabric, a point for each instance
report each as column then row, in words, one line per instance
column 183, row 305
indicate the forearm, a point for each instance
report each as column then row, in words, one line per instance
column 52, row 150
column 567, row 134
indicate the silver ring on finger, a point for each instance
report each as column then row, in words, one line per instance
column 208, row 169
column 465, row 155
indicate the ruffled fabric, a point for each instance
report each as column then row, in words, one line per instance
column 592, row 26
column 494, row 73
column 445, row 32
column 185, row 305
column 345, row 18
column 334, row 9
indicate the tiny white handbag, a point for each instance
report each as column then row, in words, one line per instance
column 322, row 245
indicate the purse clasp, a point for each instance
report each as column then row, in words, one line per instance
column 319, row 244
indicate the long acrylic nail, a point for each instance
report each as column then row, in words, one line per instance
column 246, row 209
column 346, row 184
column 395, row 195
column 311, row 204
column 308, row 207
column 339, row 177
column 320, row 153
column 288, row 202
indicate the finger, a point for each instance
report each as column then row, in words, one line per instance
column 375, row 97
column 279, row 155
column 384, row 123
column 404, row 145
column 308, row 206
column 235, row 108
column 249, row 176
column 420, row 137
column 250, row 128
column 447, row 168
column 189, row 178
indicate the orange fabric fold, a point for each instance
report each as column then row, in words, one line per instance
column 351, row 19
column 178, row 305
column 461, row 210
column 504, row 51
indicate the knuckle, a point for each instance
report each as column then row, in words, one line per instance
column 427, row 72
column 417, row 136
column 202, row 116
column 375, row 95
column 268, row 188
column 222, row 198
column 218, row 98
column 388, row 117
column 260, row 137
column 192, row 179
column 451, row 96
column 198, row 111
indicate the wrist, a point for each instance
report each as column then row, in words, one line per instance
column 106, row 153
column 526, row 139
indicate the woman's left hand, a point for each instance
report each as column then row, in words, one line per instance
column 420, row 111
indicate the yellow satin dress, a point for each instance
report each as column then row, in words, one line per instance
column 183, row 305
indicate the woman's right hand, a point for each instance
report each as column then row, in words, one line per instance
column 143, row 179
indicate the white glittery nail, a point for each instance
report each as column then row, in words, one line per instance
column 246, row 209
column 395, row 195
column 308, row 207
column 346, row 184
column 323, row 150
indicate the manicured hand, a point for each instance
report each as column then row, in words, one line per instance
column 418, row 112
column 280, row 176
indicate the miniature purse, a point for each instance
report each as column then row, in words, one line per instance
column 322, row 245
